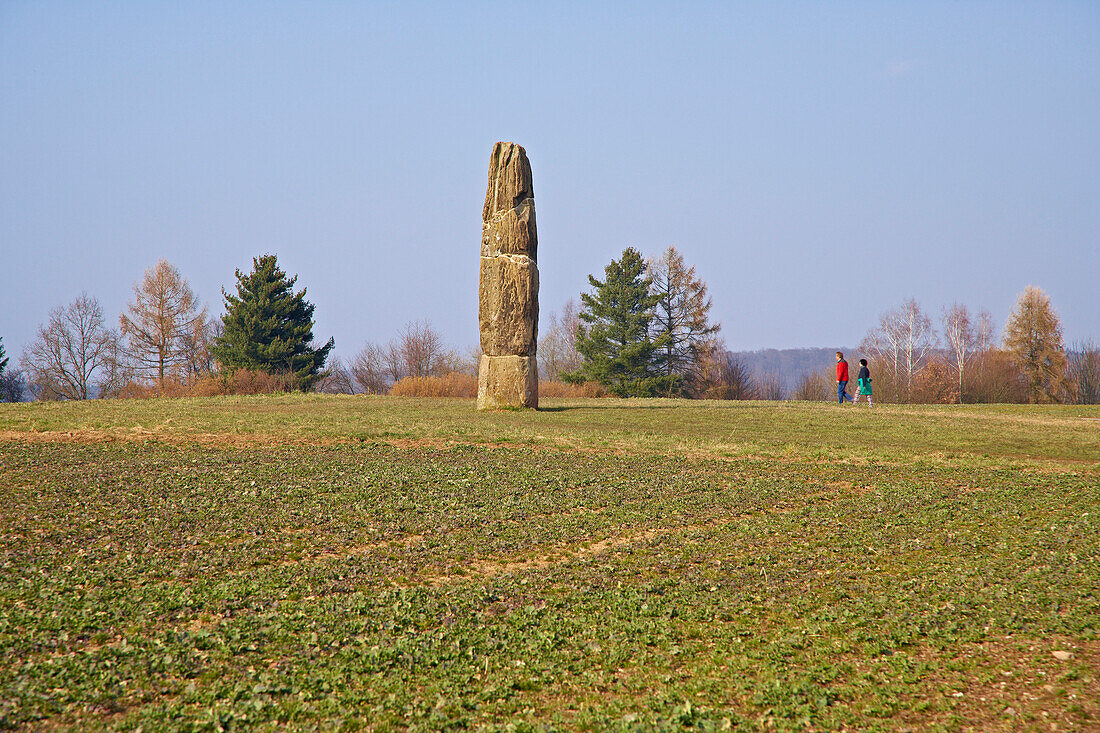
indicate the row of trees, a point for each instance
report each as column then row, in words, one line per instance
column 912, row 361
column 418, row 351
column 643, row 330
column 166, row 338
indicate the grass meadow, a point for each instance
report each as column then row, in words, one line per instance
column 343, row 563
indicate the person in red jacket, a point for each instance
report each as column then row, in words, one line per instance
column 842, row 379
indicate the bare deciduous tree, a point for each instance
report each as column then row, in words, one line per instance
column 417, row 351
column 985, row 334
column 816, row 386
column 74, row 355
column 1084, row 372
column 198, row 347
column 882, row 345
column 936, row 382
column 471, row 362
column 420, row 349
column 994, row 378
column 336, row 379
column 902, row 343
column 769, row 386
column 557, row 352
column 370, row 369
column 985, row 366
column 165, row 324
column 961, row 338
column 725, row 377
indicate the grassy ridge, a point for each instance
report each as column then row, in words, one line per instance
column 602, row 565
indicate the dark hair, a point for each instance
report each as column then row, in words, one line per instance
column 863, row 362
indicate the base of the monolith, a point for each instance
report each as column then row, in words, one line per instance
column 507, row 381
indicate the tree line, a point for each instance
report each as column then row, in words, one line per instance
column 643, row 330
column 964, row 360
column 166, row 342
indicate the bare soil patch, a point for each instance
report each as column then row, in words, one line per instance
column 1022, row 684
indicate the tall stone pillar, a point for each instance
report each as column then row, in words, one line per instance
column 508, row 292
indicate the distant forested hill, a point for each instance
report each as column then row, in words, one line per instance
column 791, row 364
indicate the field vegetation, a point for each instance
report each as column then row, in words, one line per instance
column 363, row 562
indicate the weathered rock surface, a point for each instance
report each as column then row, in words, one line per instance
column 507, row 381
column 509, row 180
column 511, row 232
column 508, row 307
column 508, row 293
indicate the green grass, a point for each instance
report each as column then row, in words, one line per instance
column 727, row 429
column 311, row 562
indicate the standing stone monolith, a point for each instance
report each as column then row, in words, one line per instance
column 508, row 292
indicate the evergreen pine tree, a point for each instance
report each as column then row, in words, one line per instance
column 12, row 385
column 614, row 337
column 269, row 328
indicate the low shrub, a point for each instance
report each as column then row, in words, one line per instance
column 238, row 382
column 170, row 387
column 563, row 389
column 936, row 384
column 245, row 382
column 454, row 384
column 816, row 386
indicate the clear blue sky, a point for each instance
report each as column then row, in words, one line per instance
column 819, row 162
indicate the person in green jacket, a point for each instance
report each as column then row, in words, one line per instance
column 863, row 379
